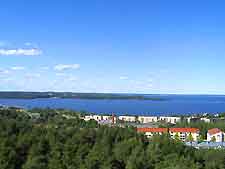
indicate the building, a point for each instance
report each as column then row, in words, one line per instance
column 172, row 120
column 149, row 132
column 147, row 119
column 215, row 120
column 192, row 119
column 127, row 118
column 92, row 117
column 99, row 118
column 207, row 145
column 197, row 119
column 184, row 134
column 205, row 119
column 215, row 135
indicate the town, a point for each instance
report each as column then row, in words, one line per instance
column 154, row 125
column 149, row 126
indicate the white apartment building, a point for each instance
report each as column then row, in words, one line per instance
column 99, row 118
column 206, row 120
column 147, row 119
column 172, row 120
column 215, row 135
column 127, row 118
column 92, row 117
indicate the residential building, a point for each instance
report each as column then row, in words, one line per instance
column 215, row 135
column 192, row 119
column 205, row 119
column 185, row 134
column 92, row 117
column 101, row 118
column 172, row 120
column 207, row 145
column 149, row 132
column 127, row 118
column 147, row 119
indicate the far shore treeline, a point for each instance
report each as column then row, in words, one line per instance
column 110, row 96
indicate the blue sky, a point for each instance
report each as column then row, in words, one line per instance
column 148, row 46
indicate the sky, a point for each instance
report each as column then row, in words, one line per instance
column 113, row 46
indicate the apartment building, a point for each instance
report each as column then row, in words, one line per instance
column 149, row 132
column 127, row 118
column 185, row 134
column 99, row 118
column 172, row 120
column 147, row 119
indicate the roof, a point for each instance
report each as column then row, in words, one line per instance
column 211, row 144
column 153, row 130
column 206, row 144
column 188, row 130
column 214, row 131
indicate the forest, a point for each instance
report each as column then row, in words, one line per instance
column 52, row 141
column 70, row 95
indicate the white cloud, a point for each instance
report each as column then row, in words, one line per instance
column 17, row 68
column 32, row 75
column 4, row 71
column 20, row 51
column 123, row 78
column 62, row 67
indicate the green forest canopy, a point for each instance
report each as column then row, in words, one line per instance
column 54, row 142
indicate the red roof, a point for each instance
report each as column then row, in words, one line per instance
column 153, row 130
column 214, row 131
column 184, row 130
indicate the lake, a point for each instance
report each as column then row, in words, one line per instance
column 173, row 104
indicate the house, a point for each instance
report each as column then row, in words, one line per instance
column 184, row 134
column 127, row 118
column 215, row 135
column 149, row 132
column 172, row 120
column 147, row 119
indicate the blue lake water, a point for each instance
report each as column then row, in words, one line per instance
column 174, row 104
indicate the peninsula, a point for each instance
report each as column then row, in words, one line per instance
column 71, row 95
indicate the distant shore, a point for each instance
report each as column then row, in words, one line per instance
column 71, row 95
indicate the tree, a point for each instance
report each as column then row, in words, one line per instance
column 38, row 156
column 176, row 137
column 213, row 139
column 190, row 138
column 200, row 138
